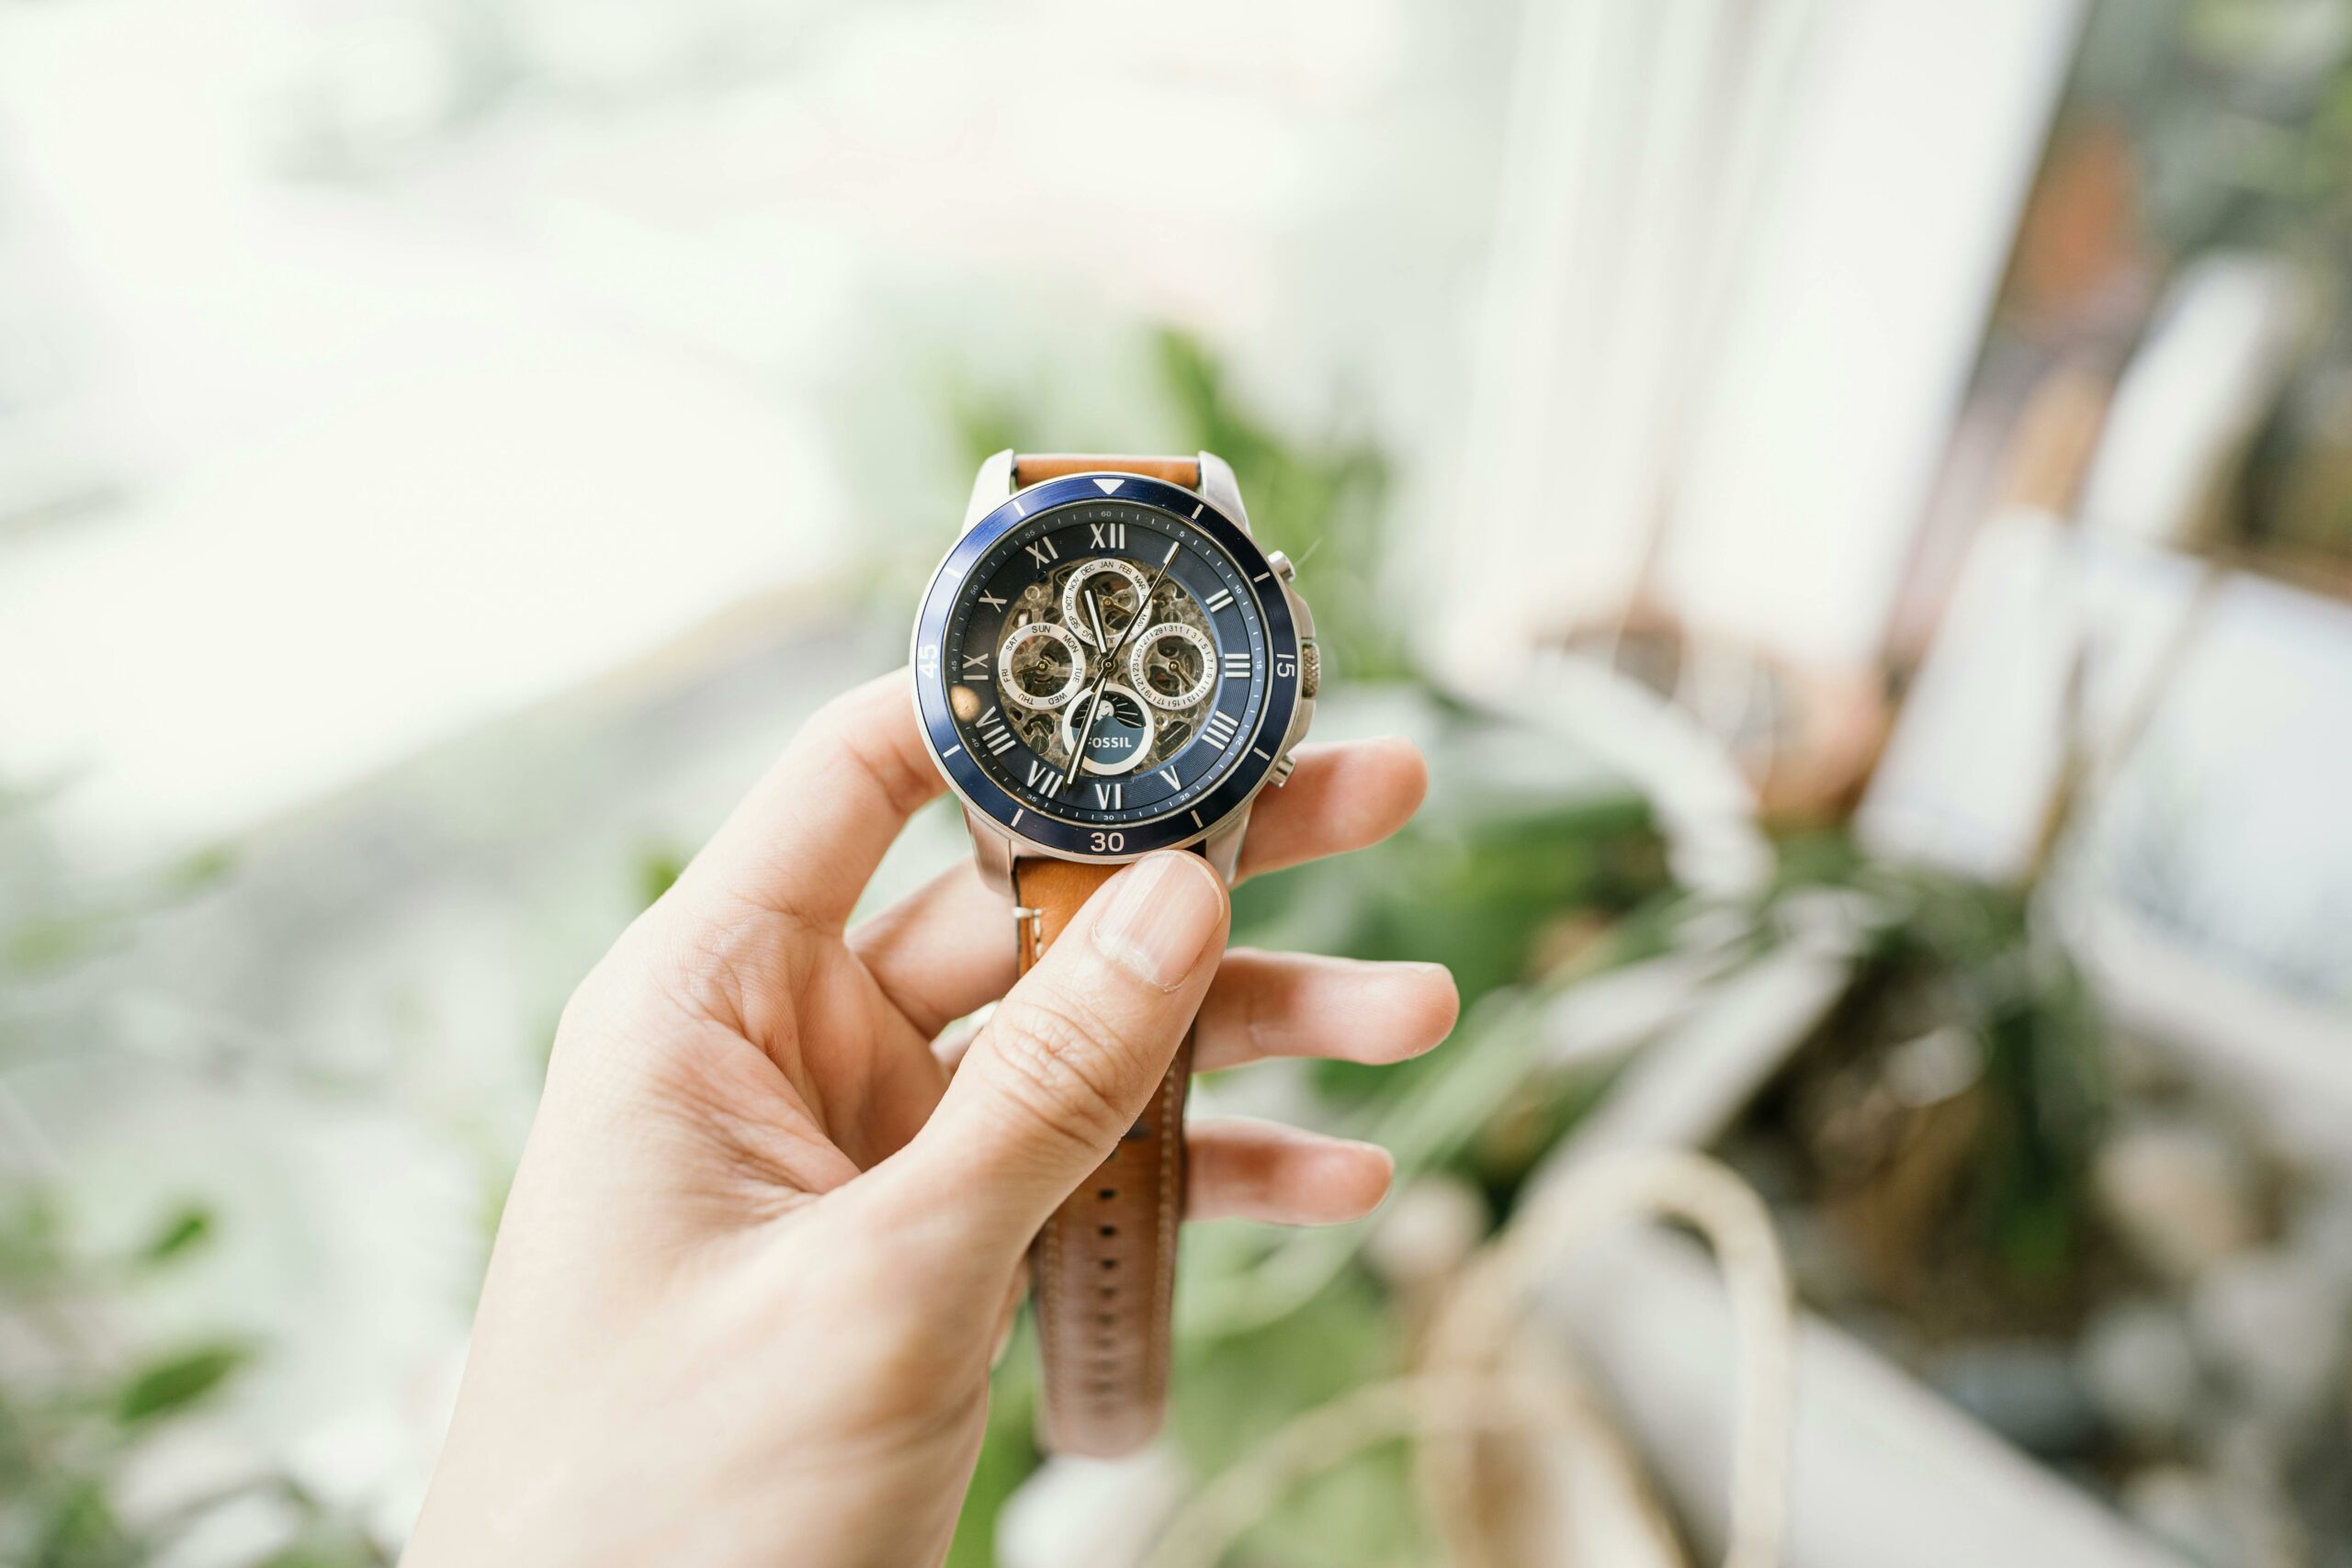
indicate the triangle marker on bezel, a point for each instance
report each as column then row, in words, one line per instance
column 1110, row 485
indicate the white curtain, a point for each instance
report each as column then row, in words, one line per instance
column 1742, row 259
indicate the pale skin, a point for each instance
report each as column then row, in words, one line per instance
column 769, row 1227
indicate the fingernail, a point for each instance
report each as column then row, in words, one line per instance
column 1161, row 913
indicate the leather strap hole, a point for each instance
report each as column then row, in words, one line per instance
column 1108, row 1193
column 1109, row 1264
column 1107, row 1230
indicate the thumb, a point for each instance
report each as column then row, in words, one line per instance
column 1072, row 1055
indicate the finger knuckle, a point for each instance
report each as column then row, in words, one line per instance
column 1060, row 1060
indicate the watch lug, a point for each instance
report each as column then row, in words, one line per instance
column 989, row 487
column 1218, row 486
column 991, row 853
column 1223, row 847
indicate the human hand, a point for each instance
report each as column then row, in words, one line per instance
column 762, row 1245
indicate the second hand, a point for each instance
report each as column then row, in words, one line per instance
column 1093, row 697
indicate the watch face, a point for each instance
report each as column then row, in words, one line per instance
column 1105, row 666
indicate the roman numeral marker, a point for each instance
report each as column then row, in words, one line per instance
column 995, row 734
column 1170, row 774
column 1109, row 536
column 992, row 601
column 1108, row 796
column 1220, row 728
column 1216, row 601
column 1043, row 553
column 1237, row 667
column 1039, row 771
column 976, row 661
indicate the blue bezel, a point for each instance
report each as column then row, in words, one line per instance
column 1067, row 838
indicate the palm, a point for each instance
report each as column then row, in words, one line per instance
column 799, row 1071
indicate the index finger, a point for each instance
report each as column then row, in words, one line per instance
column 805, row 840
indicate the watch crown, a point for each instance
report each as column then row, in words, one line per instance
column 1310, row 668
column 1284, row 765
column 1282, row 565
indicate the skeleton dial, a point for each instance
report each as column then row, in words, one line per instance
column 1115, row 630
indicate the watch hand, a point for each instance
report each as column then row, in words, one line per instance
column 1143, row 605
column 1110, row 662
column 1093, row 697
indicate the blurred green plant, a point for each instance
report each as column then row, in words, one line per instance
column 1944, row 954
column 1322, row 500
column 2239, row 116
column 83, row 1400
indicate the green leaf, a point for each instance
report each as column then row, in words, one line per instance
column 47, row 943
column 657, row 871
column 328, row 1544
column 185, row 1232
column 171, row 1385
column 195, row 873
column 78, row 1529
column 32, row 1247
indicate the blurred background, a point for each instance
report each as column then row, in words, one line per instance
column 1855, row 496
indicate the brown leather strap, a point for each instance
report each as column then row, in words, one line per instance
column 1103, row 1269
column 1036, row 467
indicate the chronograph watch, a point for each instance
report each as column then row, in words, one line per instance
column 1106, row 664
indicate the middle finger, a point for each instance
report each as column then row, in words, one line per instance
column 1264, row 1005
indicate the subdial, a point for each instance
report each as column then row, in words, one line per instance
column 1121, row 733
column 1118, row 600
column 1040, row 667
column 1172, row 665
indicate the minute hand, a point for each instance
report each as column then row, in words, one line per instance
column 1110, row 662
